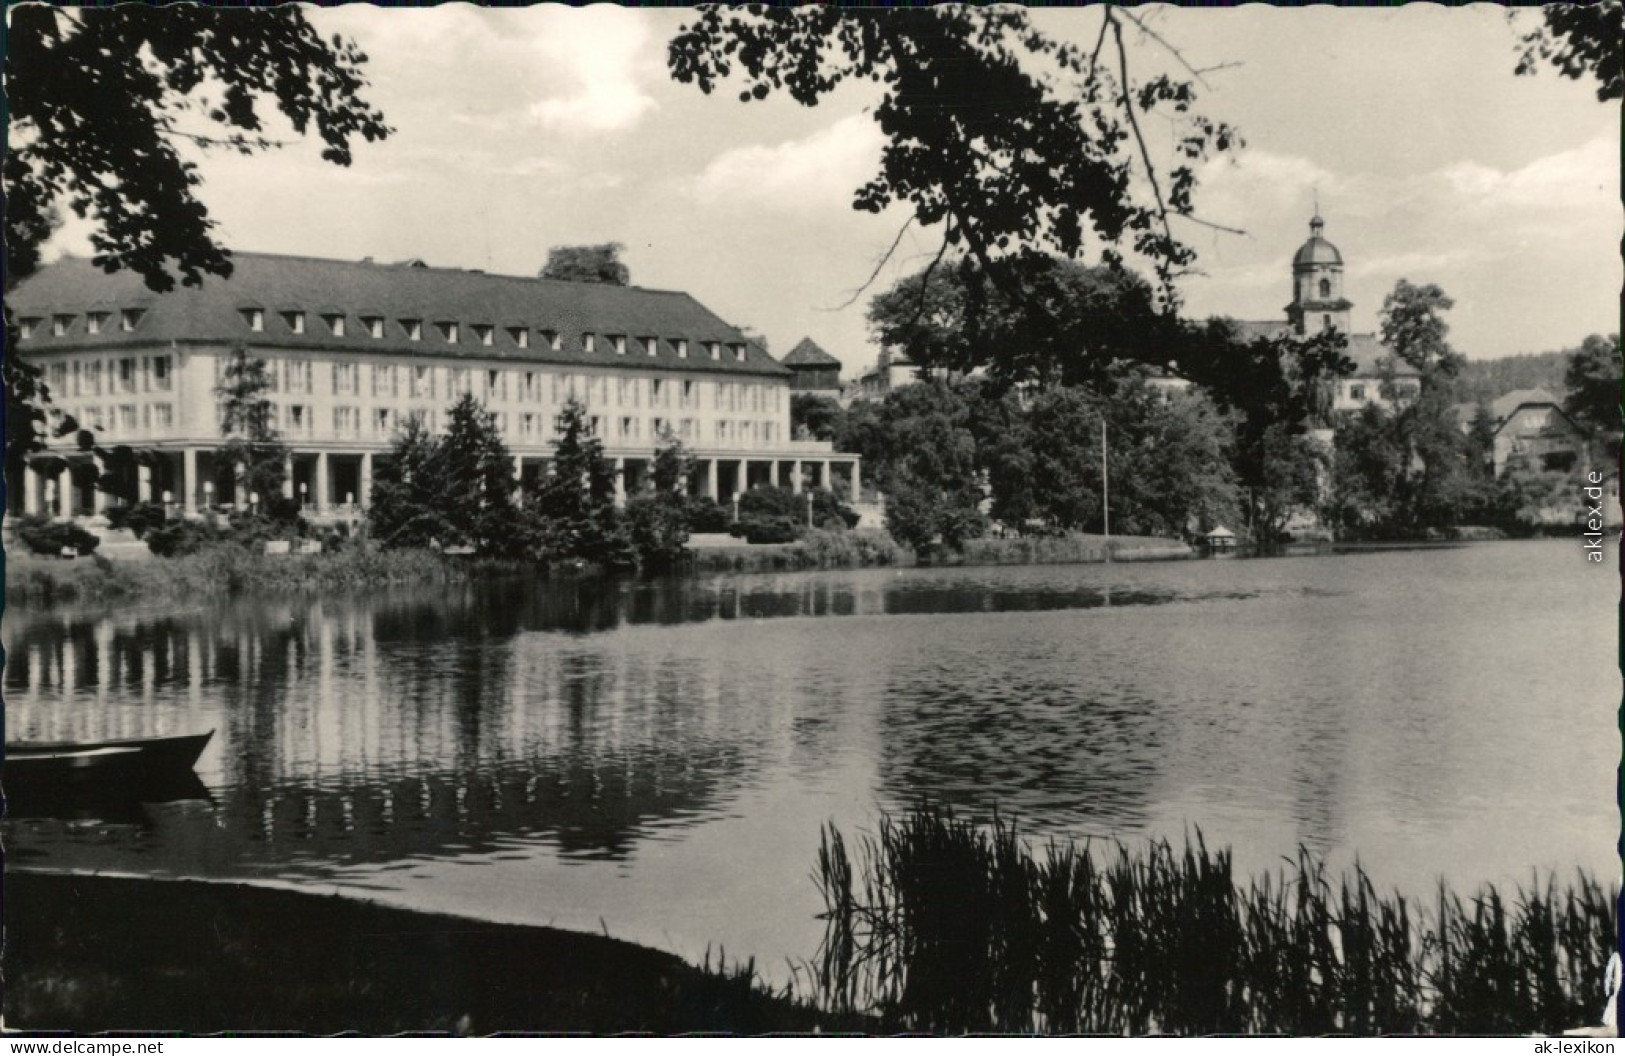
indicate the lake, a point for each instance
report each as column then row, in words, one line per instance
column 656, row 759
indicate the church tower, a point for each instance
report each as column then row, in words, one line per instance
column 1317, row 286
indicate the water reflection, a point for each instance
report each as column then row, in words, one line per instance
column 665, row 753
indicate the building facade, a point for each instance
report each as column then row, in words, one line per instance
column 354, row 348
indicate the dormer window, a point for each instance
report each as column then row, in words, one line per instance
column 335, row 324
column 448, row 332
column 94, row 322
column 129, row 319
column 739, row 353
column 413, row 328
column 589, row 343
column 295, row 321
column 651, row 345
column 60, row 325
column 255, row 318
column 27, row 326
column 520, row 335
column 715, row 348
column 682, row 347
column 485, row 334
column 620, row 344
column 374, row 325
column 553, row 339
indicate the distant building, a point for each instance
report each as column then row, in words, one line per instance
column 353, row 348
column 813, row 369
column 1531, row 431
column 892, row 371
column 1318, row 305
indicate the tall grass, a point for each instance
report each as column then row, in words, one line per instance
column 939, row 925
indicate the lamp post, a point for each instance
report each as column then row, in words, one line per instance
column 208, row 494
column 736, row 507
column 254, row 502
column 169, row 498
column 809, row 510
column 1105, row 493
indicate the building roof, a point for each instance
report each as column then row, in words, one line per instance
column 1317, row 250
column 808, row 354
column 486, row 308
column 1506, row 406
column 1367, row 350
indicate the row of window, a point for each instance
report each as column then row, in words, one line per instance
column 299, row 421
column 125, row 375
column 127, row 419
column 485, row 334
column 298, row 377
column 95, row 322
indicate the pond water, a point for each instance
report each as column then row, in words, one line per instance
column 657, row 759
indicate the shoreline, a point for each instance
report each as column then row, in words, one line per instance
column 93, row 952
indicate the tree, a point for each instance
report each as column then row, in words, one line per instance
column 1593, row 380
column 1018, row 144
column 1413, row 326
column 476, row 474
column 933, row 489
column 253, row 446
column 406, row 507
column 99, row 98
column 1578, row 40
column 574, row 511
column 600, row 264
column 657, row 518
column 814, row 416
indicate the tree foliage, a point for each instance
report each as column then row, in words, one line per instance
column 1578, row 40
column 1082, row 326
column 253, row 446
column 405, row 509
column 101, row 96
column 476, row 475
column 1413, row 326
column 599, row 264
column 573, row 512
column 657, row 517
column 1593, row 381
column 1018, row 144
column 813, row 416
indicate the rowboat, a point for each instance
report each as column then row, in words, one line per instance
column 150, row 768
column 152, row 755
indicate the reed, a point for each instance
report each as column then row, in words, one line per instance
column 939, row 925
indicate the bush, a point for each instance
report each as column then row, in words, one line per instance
column 139, row 519
column 52, row 537
column 708, row 516
column 770, row 530
column 180, row 538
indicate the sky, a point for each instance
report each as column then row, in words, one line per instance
column 521, row 129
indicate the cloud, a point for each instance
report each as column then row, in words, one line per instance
column 818, row 172
column 1584, row 177
column 598, row 51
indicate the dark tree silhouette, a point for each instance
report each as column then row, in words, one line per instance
column 100, row 97
column 1018, row 144
column 601, row 263
column 1579, row 40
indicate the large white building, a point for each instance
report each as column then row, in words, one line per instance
column 354, row 347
